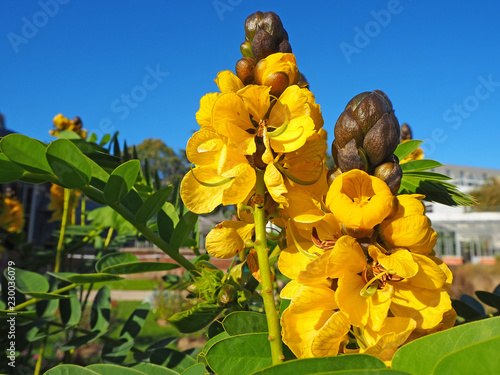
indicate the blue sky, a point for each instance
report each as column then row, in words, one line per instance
column 140, row 68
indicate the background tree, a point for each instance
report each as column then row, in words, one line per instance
column 170, row 165
column 488, row 196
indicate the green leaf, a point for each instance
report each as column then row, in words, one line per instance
column 153, row 204
column 183, row 229
column 489, row 299
column 420, row 165
column 171, row 359
column 195, row 319
column 114, row 259
column 135, row 321
column 81, row 341
column 30, row 314
column 68, row 134
column 198, row 369
column 69, row 164
column 116, row 353
column 101, row 310
column 152, row 369
column 114, row 370
column 121, row 181
column 9, row 171
column 26, row 152
column 242, row 354
column 106, row 161
column 240, row 322
column 334, row 365
column 465, row 310
column 406, row 148
column 105, row 139
column 471, row 301
column 139, row 267
column 166, row 222
column 419, row 357
column 86, row 278
column 27, row 281
column 92, row 138
column 71, row 312
column 70, row 370
column 478, row 358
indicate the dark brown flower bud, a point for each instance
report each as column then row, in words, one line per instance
column 390, row 171
column 351, row 157
column 252, row 24
column 245, row 70
column 278, row 81
column 285, row 46
column 368, row 120
column 406, row 133
column 271, row 22
column 263, row 45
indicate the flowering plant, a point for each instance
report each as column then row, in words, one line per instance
column 333, row 270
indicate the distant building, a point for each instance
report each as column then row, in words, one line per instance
column 463, row 234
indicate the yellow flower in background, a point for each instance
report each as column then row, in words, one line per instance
column 11, row 214
column 359, row 201
column 62, row 123
column 57, row 202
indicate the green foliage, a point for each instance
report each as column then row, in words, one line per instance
column 417, row 180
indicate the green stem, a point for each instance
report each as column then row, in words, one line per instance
column 146, row 231
column 83, row 213
column 39, row 360
column 35, row 300
column 108, row 237
column 64, row 219
column 265, row 271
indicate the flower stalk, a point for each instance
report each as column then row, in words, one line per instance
column 60, row 243
column 265, row 271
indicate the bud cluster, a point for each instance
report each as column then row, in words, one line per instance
column 366, row 136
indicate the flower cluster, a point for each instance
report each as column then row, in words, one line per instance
column 363, row 273
column 11, row 214
column 246, row 129
column 62, row 123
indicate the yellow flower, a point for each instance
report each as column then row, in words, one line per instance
column 62, row 123
column 409, row 227
column 228, row 238
column 359, row 201
column 416, row 154
column 242, row 128
column 277, row 63
column 11, row 214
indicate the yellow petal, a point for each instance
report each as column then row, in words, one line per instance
column 310, row 298
column 239, row 188
column 399, row 262
column 204, row 114
column 303, row 206
column 393, row 333
column 228, row 238
column 429, row 276
column 204, row 147
column 295, row 136
column 197, row 197
column 256, row 99
column 291, row 262
column 228, row 82
column 230, row 161
column 290, row 290
column 346, row 257
column 299, row 330
column 315, row 272
column 331, row 335
column 275, row 184
column 413, row 232
column 425, row 306
column 277, row 62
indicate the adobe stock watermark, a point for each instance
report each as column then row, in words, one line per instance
column 461, row 111
column 363, row 36
column 223, row 6
column 32, row 25
column 130, row 100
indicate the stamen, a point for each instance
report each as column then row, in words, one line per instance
column 369, row 289
column 299, row 248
